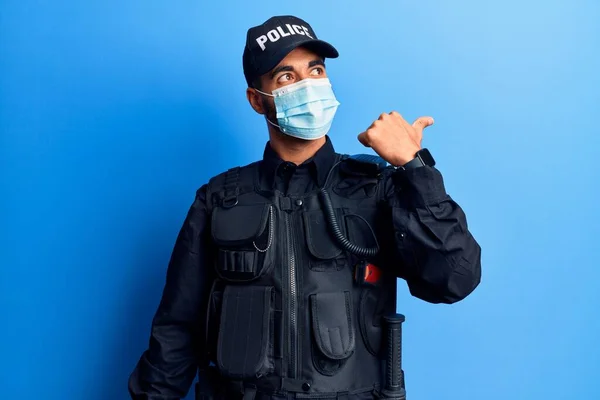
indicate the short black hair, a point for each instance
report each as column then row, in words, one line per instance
column 257, row 83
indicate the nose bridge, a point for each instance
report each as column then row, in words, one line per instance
column 303, row 73
column 302, row 70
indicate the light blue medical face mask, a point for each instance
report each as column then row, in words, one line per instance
column 305, row 109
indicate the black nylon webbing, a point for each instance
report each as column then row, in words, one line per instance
column 231, row 187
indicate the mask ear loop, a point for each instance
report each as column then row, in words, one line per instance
column 268, row 120
column 261, row 92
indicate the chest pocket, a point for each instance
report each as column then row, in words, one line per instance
column 244, row 238
column 325, row 254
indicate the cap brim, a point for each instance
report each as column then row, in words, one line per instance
column 320, row 47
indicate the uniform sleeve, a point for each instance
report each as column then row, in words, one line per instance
column 435, row 252
column 176, row 348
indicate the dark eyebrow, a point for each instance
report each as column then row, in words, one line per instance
column 289, row 68
column 316, row 62
column 281, row 68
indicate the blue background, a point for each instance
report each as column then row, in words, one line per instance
column 112, row 113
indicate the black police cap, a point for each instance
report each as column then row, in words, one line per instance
column 267, row 44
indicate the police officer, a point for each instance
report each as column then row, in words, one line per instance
column 284, row 268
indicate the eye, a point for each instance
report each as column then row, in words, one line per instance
column 317, row 71
column 284, row 78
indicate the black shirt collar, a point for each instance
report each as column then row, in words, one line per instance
column 320, row 163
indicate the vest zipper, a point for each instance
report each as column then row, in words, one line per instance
column 293, row 302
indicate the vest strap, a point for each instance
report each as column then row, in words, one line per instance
column 269, row 384
column 231, row 188
column 342, row 396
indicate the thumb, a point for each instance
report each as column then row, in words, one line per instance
column 363, row 139
column 422, row 123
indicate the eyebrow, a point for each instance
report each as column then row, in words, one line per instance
column 289, row 68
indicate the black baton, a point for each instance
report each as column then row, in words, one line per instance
column 394, row 378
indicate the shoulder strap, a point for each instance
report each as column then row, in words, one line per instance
column 225, row 188
column 364, row 164
column 228, row 193
column 367, row 168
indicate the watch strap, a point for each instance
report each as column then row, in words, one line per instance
column 422, row 158
column 414, row 163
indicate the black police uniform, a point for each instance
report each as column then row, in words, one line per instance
column 265, row 289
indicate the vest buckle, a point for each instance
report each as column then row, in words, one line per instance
column 229, row 201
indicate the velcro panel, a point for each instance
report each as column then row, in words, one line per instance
column 245, row 332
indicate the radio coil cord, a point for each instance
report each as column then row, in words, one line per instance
column 335, row 228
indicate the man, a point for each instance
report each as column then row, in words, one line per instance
column 283, row 269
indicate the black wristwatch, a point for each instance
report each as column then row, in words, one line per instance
column 422, row 158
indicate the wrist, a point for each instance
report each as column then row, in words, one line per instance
column 421, row 158
column 405, row 158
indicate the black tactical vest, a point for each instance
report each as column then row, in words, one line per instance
column 290, row 311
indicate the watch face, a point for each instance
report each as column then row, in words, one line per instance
column 427, row 157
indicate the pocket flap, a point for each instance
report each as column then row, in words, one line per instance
column 244, row 332
column 319, row 239
column 332, row 323
column 239, row 224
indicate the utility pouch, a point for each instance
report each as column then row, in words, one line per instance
column 325, row 254
column 333, row 330
column 372, row 307
column 246, row 334
column 244, row 236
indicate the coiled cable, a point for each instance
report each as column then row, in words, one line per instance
column 335, row 227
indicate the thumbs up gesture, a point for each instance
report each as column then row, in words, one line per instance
column 394, row 139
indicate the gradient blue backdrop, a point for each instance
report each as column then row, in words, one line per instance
column 112, row 113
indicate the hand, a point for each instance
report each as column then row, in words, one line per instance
column 394, row 139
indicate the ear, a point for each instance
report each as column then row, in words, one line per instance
column 255, row 100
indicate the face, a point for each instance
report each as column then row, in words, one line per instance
column 298, row 65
